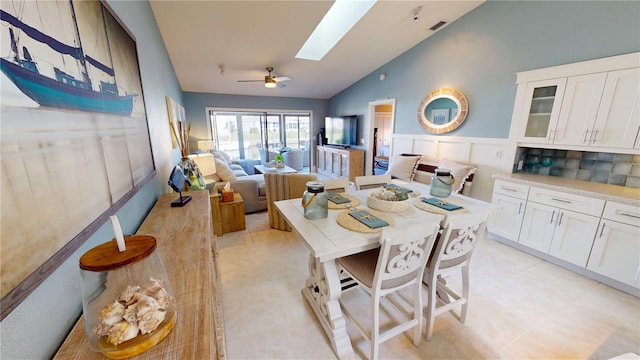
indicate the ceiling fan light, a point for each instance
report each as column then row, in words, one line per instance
column 269, row 83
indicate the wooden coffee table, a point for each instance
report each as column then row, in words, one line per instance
column 260, row 169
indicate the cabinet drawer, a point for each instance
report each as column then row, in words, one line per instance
column 624, row 213
column 516, row 190
column 573, row 202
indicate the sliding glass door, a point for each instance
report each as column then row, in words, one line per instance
column 243, row 134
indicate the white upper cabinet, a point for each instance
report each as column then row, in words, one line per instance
column 591, row 104
column 579, row 109
column 542, row 109
column 618, row 118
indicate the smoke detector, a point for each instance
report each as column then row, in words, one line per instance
column 415, row 14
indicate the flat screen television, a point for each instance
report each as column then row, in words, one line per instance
column 341, row 130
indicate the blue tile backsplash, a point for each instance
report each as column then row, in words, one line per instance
column 600, row 167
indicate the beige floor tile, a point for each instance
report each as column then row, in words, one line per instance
column 520, row 307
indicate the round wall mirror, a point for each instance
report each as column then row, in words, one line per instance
column 443, row 110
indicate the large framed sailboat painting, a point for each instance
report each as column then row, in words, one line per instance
column 74, row 134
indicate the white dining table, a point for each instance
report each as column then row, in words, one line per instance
column 327, row 241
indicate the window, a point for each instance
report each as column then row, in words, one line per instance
column 243, row 134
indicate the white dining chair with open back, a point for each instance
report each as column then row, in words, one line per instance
column 453, row 251
column 398, row 264
column 371, row 181
column 336, row 185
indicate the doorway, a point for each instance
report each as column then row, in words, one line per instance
column 381, row 124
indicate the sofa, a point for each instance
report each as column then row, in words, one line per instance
column 250, row 187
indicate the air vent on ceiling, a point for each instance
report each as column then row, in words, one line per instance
column 438, row 25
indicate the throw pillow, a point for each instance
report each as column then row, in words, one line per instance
column 223, row 170
column 218, row 154
column 403, row 167
column 460, row 172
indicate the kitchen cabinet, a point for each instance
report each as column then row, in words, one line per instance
column 562, row 225
column 592, row 235
column 616, row 249
column 581, row 106
column 579, row 109
column 542, row 109
column 618, row 120
column 509, row 201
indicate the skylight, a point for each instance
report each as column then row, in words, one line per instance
column 340, row 18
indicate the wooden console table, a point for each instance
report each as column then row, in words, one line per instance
column 189, row 254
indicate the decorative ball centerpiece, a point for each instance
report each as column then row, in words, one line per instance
column 388, row 199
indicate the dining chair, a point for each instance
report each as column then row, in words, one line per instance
column 398, row 264
column 282, row 187
column 453, row 251
column 336, row 185
column 371, row 181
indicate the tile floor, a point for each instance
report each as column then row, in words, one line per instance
column 521, row 307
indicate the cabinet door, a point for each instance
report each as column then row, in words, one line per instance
column 616, row 252
column 579, row 109
column 507, row 219
column 344, row 165
column 618, row 118
column 322, row 159
column 541, row 109
column 538, row 225
column 573, row 237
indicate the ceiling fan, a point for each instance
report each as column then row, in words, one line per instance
column 270, row 81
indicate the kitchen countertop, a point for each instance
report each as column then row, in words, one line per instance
column 616, row 193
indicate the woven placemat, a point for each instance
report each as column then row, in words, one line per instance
column 348, row 222
column 436, row 210
column 354, row 202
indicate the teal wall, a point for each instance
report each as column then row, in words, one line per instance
column 38, row 326
column 480, row 53
column 196, row 103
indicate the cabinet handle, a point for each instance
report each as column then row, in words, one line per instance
column 594, row 135
column 584, row 139
column 602, row 229
column 520, row 209
column 552, row 215
column 560, row 219
column 561, row 200
column 508, row 188
column 630, row 215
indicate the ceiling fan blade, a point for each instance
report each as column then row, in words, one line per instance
column 281, row 85
column 282, row 78
column 250, row 80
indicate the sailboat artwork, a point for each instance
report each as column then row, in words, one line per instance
column 61, row 89
column 75, row 141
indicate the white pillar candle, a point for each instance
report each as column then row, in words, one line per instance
column 117, row 230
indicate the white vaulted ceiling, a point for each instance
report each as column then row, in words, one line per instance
column 247, row 36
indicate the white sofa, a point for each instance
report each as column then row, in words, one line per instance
column 250, row 187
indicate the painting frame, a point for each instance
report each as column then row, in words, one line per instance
column 80, row 155
column 177, row 121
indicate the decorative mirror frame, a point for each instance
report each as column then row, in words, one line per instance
column 446, row 93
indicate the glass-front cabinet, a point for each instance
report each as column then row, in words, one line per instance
column 541, row 110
